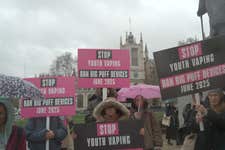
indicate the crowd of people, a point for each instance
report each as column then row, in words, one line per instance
column 211, row 112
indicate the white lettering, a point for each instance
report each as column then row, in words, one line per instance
column 41, row 110
column 187, row 88
column 180, row 79
column 97, row 81
column 119, row 140
column 53, row 110
column 95, row 142
column 103, row 73
column 206, row 59
column 168, row 82
column 27, row 103
column 84, row 74
column 177, row 66
column 95, row 63
column 112, row 63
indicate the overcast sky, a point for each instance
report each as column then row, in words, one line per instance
column 34, row 32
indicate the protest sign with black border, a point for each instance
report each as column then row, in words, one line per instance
column 191, row 68
column 109, row 135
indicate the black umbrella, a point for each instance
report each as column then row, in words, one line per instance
column 17, row 87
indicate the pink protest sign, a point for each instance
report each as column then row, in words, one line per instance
column 59, row 99
column 103, row 68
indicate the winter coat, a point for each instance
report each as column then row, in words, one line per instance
column 190, row 126
column 171, row 131
column 36, row 130
column 13, row 137
column 17, row 140
column 153, row 135
column 217, row 129
column 189, row 114
column 173, row 112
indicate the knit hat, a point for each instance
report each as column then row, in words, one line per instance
column 218, row 91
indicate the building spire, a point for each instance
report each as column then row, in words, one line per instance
column 141, row 40
column 146, row 52
column 121, row 41
column 126, row 37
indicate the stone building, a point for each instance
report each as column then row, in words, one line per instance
column 151, row 76
column 142, row 68
column 137, row 69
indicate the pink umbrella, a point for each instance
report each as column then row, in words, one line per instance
column 145, row 90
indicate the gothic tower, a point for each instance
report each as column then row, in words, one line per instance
column 137, row 58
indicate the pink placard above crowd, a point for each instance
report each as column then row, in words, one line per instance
column 99, row 68
column 59, row 92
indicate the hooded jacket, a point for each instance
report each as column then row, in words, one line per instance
column 13, row 137
column 97, row 113
column 217, row 120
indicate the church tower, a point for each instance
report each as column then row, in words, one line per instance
column 137, row 69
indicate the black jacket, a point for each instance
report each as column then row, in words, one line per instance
column 217, row 133
column 190, row 126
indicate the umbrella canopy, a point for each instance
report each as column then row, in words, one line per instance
column 145, row 90
column 17, row 87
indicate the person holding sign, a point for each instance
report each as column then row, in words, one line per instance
column 216, row 117
column 37, row 134
column 95, row 100
column 12, row 137
column 191, row 135
column 151, row 131
column 110, row 110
